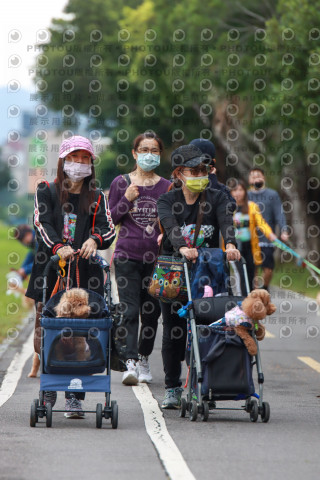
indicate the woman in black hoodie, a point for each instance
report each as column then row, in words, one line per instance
column 178, row 211
column 70, row 214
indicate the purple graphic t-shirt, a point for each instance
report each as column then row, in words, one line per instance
column 137, row 239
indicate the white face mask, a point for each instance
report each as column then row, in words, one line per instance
column 77, row 171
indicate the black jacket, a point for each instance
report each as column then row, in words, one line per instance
column 173, row 213
column 48, row 223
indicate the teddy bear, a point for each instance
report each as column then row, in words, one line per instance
column 74, row 303
column 255, row 307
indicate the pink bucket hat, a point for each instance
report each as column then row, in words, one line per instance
column 75, row 143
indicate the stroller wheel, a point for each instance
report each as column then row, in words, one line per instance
column 265, row 414
column 205, row 411
column 34, row 413
column 193, row 411
column 99, row 415
column 254, row 412
column 183, row 408
column 114, row 416
column 248, row 405
column 48, row 415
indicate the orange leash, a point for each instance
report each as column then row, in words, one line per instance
column 77, row 271
column 59, row 283
column 56, row 288
column 187, row 379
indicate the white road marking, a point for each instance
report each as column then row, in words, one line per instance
column 168, row 452
column 311, row 363
column 14, row 371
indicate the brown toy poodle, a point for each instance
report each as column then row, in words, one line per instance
column 256, row 306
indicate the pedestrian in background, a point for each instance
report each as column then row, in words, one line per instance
column 247, row 220
column 270, row 206
column 26, row 235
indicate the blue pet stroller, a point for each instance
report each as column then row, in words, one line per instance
column 220, row 367
column 68, row 373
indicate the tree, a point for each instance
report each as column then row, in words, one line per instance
column 294, row 99
column 214, row 69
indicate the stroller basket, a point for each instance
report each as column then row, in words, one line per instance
column 226, row 365
column 74, row 351
column 220, row 365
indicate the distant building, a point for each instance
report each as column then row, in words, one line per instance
column 32, row 159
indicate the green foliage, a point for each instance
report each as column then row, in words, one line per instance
column 295, row 89
column 11, row 310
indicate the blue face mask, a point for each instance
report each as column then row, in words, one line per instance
column 148, row 161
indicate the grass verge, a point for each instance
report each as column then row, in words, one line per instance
column 12, row 311
column 295, row 278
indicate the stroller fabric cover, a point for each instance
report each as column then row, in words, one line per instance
column 71, row 345
column 226, row 364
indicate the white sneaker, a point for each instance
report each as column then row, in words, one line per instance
column 144, row 370
column 130, row 377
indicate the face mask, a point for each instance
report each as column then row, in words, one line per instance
column 77, row 171
column 148, row 161
column 258, row 185
column 196, row 184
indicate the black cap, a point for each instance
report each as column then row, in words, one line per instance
column 205, row 146
column 188, row 156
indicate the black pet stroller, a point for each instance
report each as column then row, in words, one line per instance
column 220, row 367
column 65, row 374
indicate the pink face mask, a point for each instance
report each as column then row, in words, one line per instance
column 77, row 171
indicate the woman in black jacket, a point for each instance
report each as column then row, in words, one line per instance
column 71, row 214
column 178, row 210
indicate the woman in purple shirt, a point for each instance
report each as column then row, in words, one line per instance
column 133, row 205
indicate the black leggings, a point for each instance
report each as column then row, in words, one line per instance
column 132, row 281
column 173, row 343
column 246, row 252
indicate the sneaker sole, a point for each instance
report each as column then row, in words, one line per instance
column 144, row 380
column 170, row 407
column 73, row 415
column 130, row 380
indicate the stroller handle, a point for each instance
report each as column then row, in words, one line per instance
column 54, row 263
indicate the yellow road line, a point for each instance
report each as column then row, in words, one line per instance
column 269, row 335
column 311, row 363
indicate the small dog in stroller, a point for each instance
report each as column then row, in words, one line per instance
column 74, row 303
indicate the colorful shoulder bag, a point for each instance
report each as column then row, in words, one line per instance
column 168, row 282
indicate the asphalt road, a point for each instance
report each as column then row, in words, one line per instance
column 227, row 446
